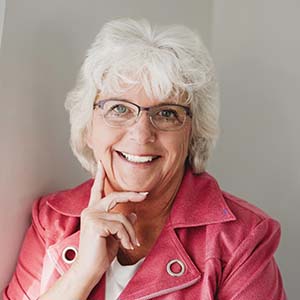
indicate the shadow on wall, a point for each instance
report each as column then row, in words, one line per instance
column 37, row 70
column 2, row 17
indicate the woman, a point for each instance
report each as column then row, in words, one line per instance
column 152, row 224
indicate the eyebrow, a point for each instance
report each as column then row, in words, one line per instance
column 128, row 100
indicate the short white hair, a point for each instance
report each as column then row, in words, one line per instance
column 167, row 61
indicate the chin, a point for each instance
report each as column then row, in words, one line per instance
column 136, row 184
column 135, row 187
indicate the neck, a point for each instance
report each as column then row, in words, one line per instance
column 151, row 214
column 156, row 206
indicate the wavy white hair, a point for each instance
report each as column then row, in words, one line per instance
column 166, row 61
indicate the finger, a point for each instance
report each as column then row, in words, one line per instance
column 132, row 217
column 117, row 229
column 98, row 185
column 110, row 201
column 116, row 217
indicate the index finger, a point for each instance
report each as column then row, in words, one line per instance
column 98, row 185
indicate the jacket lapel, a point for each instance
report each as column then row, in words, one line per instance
column 199, row 202
column 153, row 277
column 167, row 268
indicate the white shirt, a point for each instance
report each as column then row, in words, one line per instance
column 117, row 277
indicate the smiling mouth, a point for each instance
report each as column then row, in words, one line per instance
column 137, row 158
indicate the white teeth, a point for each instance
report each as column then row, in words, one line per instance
column 138, row 159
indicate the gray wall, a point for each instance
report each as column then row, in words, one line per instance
column 256, row 46
column 42, row 48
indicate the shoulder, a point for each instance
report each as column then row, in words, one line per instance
column 247, row 215
column 255, row 223
column 252, row 219
column 209, row 204
column 225, row 220
column 253, row 228
column 56, row 215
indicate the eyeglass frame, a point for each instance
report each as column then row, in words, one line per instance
column 101, row 104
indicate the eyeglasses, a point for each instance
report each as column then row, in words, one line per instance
column 119, row 113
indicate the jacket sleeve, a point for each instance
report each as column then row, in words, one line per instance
column 252, row 273
column 25, row 283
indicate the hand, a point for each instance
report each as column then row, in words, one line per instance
column 102, row 232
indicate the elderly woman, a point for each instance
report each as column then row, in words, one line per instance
column 152, row 224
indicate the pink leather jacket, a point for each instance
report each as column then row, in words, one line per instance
column 213, row 246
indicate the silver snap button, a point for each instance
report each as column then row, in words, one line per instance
column 69, row 254
column 173, row 263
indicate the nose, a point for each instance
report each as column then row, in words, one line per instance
column 142, row 131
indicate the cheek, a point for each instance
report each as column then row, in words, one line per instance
column 178, row 147
column 101, row 140
column 184, row 140
column 187, row 137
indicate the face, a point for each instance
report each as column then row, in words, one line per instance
column 123, row 150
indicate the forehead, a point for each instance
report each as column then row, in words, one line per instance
column 138, row 95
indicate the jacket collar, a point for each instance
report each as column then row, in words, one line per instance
column 71, row 202
column 199, row 201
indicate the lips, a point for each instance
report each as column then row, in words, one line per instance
column 139, row 159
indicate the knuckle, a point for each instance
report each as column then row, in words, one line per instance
column 125, row 238
column 114, row 195
column 122, row 234
column 104, row 225
column 119, row 227
column 85, row 213
column 112, row 204
column 121, row 217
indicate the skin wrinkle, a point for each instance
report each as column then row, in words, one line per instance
column 161, row 178
column 111, row 166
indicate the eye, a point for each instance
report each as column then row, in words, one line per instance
column 167, row 113
column 119, row 108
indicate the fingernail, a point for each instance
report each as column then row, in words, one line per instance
column 144, row 193
column 131, row 246
column 137, row 242
column 133, row 217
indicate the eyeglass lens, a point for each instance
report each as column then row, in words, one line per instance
column 121, row 113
